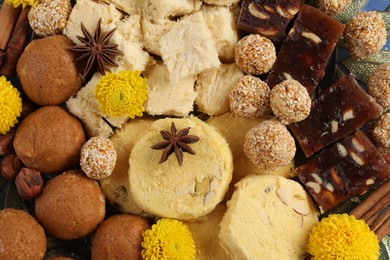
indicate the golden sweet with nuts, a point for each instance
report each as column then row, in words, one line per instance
column 98, row 157
column 332, row 7
column 290, row 102
column 249, row 97
column 365, row 34
column 381, row 131
column 379, row 85
column 255, row 54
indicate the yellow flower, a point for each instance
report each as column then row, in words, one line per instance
column 10, row 105
column 24, row 3
column 121, row 94
column 340, row 236
column 168, row 239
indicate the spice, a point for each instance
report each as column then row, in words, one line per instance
column 10, row 105
column 176, row 142
column 121, row 94
column 96, row 49
column 8, row 18
column 168, row 239
column 342, row 237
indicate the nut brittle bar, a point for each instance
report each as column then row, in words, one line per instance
column 268, row 18
column 307, row 49
column 348, row 168
column 338, row 111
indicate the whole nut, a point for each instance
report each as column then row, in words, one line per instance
column 29, row 183
column 6, row 143
column 10, row 166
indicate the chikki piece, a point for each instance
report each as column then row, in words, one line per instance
column 222, row 24
column 348, row 168
column 93, row 11
column 129, row 38
column 337, row 112
column 188, row 48
column 213, row 86
column 268, row 18
column 166, row 97
column 307, row 49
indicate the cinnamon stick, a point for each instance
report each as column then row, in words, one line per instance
column 383, row 230
column 8, row 18
column 374, row 212
column 383, row 216
column 16, row 44
column 371, row 200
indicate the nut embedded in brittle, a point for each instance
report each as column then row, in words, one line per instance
column 29, row 183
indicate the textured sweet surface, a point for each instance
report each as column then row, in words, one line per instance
column 282, row 213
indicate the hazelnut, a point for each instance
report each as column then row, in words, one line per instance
column 29, row 183
column 6, row 143
column 10, row 166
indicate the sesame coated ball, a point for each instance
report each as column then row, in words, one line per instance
column 98, row 157
column 255, row 54
column 249, row 97
column 49, row 17
column 290, row 102
column 269, row 145
column 332, row 7
column 381, row 131
column 365, row 34
column 379, row 85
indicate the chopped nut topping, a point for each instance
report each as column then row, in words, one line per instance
column 282, row 12
column 334, row 126
column 209, row 195
column 311, row 36
column 370, row 181
column 348, row 115
column 301, row 207
column 316, row 178
column 269, row 9
column 329, row 187
column 287, row 76
column 256, row 13
column 315, row 186
column 285, row 194
column 342, row 151
column 357, row 145
column 356, row 158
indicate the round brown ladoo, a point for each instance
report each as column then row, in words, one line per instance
column 119, row 237
column 47, row 72
column 21, row 237
column 71, row 205
column 49, row 140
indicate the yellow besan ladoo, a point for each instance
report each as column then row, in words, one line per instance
column 183, row 189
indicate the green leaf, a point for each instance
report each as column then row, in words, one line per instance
column 355, row 7
column 364, row 67
column 386, row 17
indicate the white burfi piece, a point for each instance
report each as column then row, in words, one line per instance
column 128, row 6
column 222, row 24
column 188, row 48
column 166, row 97
column 89, row 12
column 86, row 108
column 172, row 8
column 222, row 2
column 213, row 87
column 153, row 29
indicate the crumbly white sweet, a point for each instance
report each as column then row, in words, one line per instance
column 255, row 54
column 333, row 7
column 365, row 34
column 49, row 17
column 379, row 85
column 381, row 131
column 269, row 145
column 222, row 2
column 98, row 157
column 290, row 102
column 249, row 97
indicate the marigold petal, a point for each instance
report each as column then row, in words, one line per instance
column 10, row 105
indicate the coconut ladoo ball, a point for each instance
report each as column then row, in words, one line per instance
column 71, row 205
column 379, row 85
column 333, row 7
column 119, row 237
column 49, row 140
column 21, row 237
column 47, row 72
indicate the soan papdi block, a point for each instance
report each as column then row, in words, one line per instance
column 166, row 97
column 93, row 11
column 129, row 7
column 171, row 8
column 213, row 87
column 222, row 25
column 188, row 48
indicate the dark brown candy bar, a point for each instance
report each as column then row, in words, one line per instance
column 348, row 168
column 268, row 18
column 338, row 111
column 307, row 49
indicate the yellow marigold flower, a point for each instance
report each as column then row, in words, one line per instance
column 168, row 239
column 121, row 94
column 340, row 236
column 10, row 105
column 24, row 3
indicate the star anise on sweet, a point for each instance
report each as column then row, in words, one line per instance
column 176, row 142
column 97, row 51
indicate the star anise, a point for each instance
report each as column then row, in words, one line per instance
column 96, row 49
column 176, row 143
